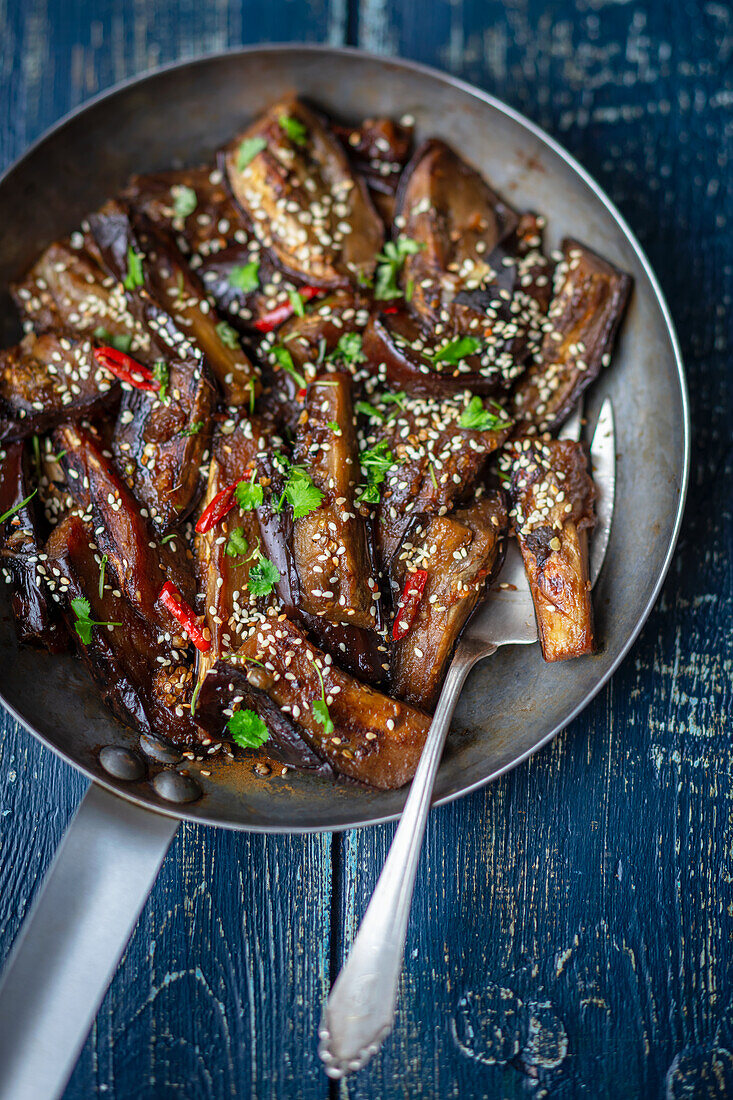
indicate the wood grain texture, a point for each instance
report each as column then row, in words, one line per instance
column 571, row 932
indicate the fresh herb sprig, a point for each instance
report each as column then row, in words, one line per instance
column 184, row 200
column 263, row 576
column 162, row 374
column 248, row 150
column 17, row 507
column 134, row 276
column 120, row 342
column 376, row 462
column 83, row 625
column 247, row 729
column 319, row 707
column 457, row 350
column 475, row 417
column 245, row 277
column 390, row 263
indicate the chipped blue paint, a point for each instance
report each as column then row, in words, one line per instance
column 595, row 884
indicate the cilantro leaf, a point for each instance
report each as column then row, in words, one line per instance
column 248, row 150
column 102, row 571
column 247, row 729
column 457, row 350
column 478, row 419
column 334, row 426
column 17, row 507
column 263, row 576
column 348, row 350
column 390, row 263
column 122, row 342
column 83, row 625
column 285, row 359
column 294, row 128
column 322, row 716
column 134, row 276
column 302, row 494
column 227, row 335
column 376, row 463
column 245, row 277
column 296, row 302
column 237, row 543
column 249, row 495
column 194, row 429
column 184, row 200
column 161, row 374
column 369, row 410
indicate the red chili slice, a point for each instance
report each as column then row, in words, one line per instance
column 126, row 368
column 409, row 603
column 174, row 602
column 220, row 506
column 268, row 321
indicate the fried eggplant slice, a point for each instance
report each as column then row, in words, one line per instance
column 141, row 672
column 374, row 739
column 226, row 682
column 379, row 149
column 121, row 530
column 67, row 289
column 330, row 541
column 428, row 460
column 292, row 178
column 446, row 206
column 552, row 510
column 460, row 553
column 21, row 559
column 362, row 651
column 47, row 379
column 183, row 318
column 590, row 297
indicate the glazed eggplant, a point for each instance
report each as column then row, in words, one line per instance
column 67, row 289
column 449, row 209
column 590, row 297
column 47, row 379
column 226, row 682
column 362, row 733
column 428, row 456
column 379, row 149
column 330, row 541
column 168, row 298
column 450, row 559
column 363, row 651
column 122, row 530
column 143, row 674
column 552, row 511
column 292, row 178
column 21, row 558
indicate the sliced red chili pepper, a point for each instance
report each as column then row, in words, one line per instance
column 220, row 506
column 390, row 309
column 268, row 321
column 409, row 603
column 174, row 602
column 125, row 368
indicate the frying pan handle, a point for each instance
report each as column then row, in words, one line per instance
column 68, row 948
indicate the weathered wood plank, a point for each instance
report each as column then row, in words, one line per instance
column 593, row 885
column 219, row 991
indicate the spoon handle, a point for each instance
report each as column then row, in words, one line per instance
column 361, row 1007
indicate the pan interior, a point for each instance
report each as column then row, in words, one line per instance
column 513, row 702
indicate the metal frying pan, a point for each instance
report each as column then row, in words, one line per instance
column 512, row 704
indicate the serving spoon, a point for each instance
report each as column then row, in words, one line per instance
column 360, row 1010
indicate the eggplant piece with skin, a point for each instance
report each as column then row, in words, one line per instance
column 67, row 289
column 121, row 530
column 447, row 207
column 461, row 553
column 590, row 297
column 285, row 744
column 552, row 496
column 36, row 621
column 48, row 379
column 430, row 462
column 330, row 541
column 362, row 651
column 374, row 739
column 292, row 178
column 379, row 149
column 143, row 676
column 164, row 285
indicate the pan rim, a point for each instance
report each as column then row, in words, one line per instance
column 625, row 231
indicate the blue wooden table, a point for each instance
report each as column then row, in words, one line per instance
column 571, row 933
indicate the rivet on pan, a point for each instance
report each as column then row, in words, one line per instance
column 159, row 749
column 121, row 763
column 175, row 787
